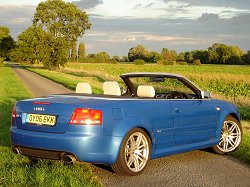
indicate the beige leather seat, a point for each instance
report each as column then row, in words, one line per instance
column 145, row 91
column 83, row 87
column 111, row 88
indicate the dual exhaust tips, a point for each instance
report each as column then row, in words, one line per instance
column 66, row 158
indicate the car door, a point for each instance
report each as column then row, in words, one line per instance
column 162, row 123
column 194, row 120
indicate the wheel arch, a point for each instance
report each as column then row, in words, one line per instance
column 118, row 166
column 222, row 118
column 131, row 127
column 235, row 116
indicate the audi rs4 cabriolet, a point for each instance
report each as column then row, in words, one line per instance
column 141, row 117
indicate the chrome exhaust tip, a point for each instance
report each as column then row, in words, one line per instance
column 68, row 159
column 16, row 150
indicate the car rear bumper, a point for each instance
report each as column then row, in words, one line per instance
column 85, row 147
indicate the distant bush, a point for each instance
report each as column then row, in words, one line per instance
column 197, row 62
column 139, row 62
column 165, row 62
column 182, row 63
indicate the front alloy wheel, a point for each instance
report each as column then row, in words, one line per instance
column 231, row 136
column 134, row 154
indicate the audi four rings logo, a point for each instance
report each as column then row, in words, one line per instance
column 39, row 109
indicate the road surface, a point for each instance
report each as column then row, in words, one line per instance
column 196, row 168
column 38, row 85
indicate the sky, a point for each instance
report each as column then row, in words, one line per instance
column 118, row 25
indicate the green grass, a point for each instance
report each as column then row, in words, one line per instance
column 16, row 170
column 226, row 82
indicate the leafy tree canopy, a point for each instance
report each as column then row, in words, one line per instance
column 225, row 54
column 4, row 32
column 31, row 45
column 138, row 52
column 81, row 50
column 6, row 42
column 61, row 19
column 169, row 55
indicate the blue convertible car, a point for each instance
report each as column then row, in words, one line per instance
column 151, row 115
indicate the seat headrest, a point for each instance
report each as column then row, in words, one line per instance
column 111, row 88
column 145, row 91
column 83, row 87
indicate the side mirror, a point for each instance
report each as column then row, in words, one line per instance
column 206, row 95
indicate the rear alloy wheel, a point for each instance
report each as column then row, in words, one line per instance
column 231, row 136
column 134, row 153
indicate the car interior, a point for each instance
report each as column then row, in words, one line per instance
column 162, row 91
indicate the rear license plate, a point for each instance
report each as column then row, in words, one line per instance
column 40, row 119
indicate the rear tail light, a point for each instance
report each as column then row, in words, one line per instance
column 13, row 116
column 83, row 116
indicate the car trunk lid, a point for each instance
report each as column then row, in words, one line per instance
column 50, row 114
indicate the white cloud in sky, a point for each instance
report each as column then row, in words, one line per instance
column 160, row 9
column 118, row 25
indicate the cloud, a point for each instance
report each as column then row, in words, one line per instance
column 208, row 17
column 87, row 4
column 239, row 4
column 149, row 5
column 129, row 39
column 180, row 34
column 17, row 18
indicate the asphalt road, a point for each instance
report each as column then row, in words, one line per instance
column 38, row 85
column 196, row 168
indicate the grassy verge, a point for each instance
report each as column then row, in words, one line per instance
column 16, row 170
column 227, row 82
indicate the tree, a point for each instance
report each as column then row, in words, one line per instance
column 6, row 42
column 124, row 59
column 115, row 58
column 154, row 57
column 181, row 57
column 224, row 54
column 138, row 52
column 189, row 57
column 214, row 53
column 169, row 55
column 202, row 55
column 4, row 32
column 102, row 57
column 56, row 53
column 246, row 57
column 64, row 23
column 61, row 19
column 81, row 51
column 31, row 45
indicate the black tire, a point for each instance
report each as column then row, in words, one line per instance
column 137, row 159
column 231, row 136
